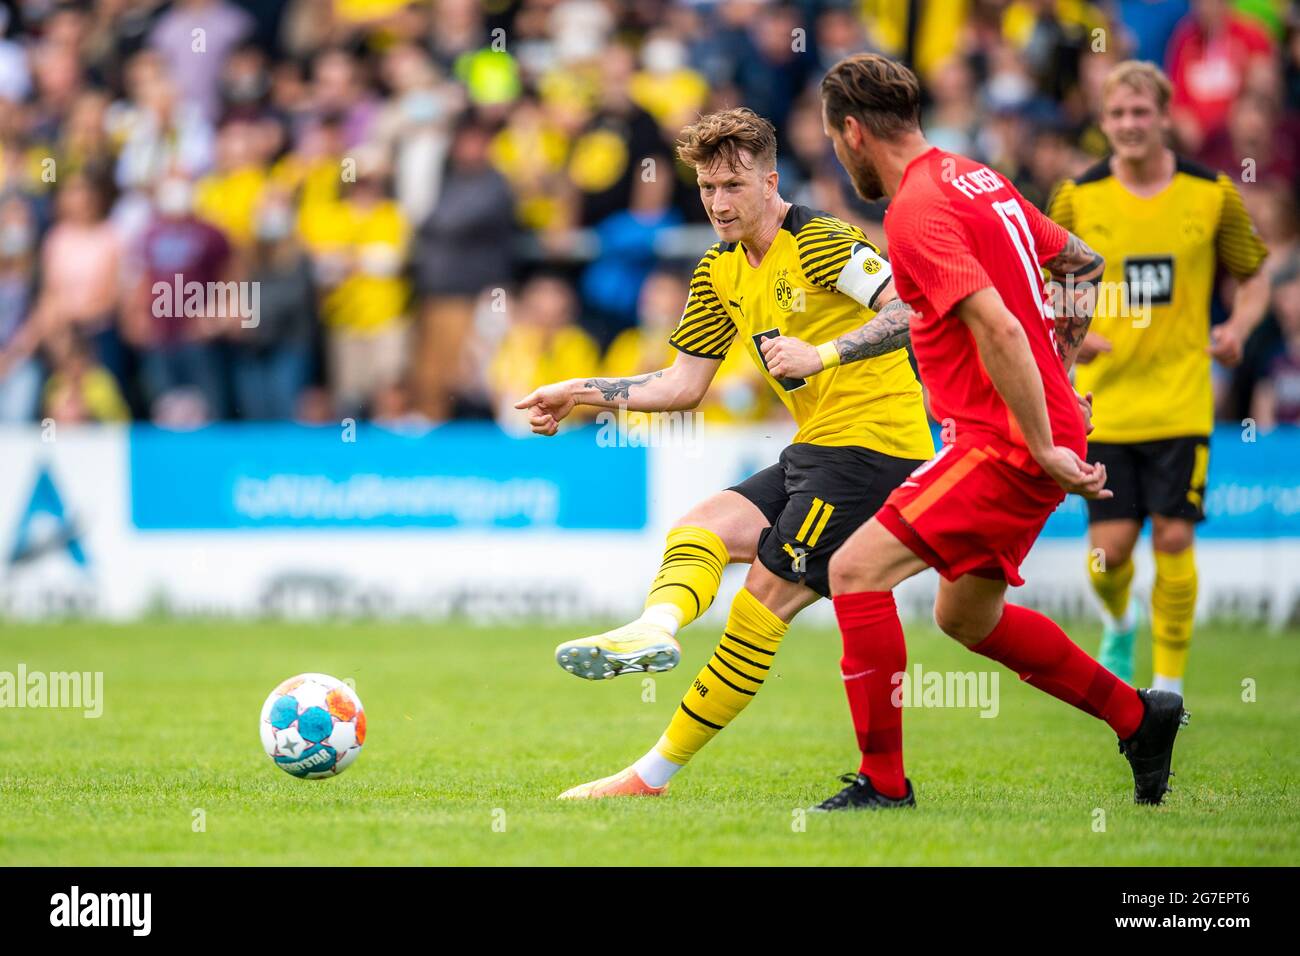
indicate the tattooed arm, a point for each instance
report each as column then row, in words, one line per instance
column 682, row 385
column 1075, row 272
column 885, row 332
column 613, row 389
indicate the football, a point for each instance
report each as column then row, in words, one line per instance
column 313, row 726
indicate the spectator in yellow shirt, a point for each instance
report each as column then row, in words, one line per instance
column 359, row 245
column 229, row 197
column 314, row 168
column 530, row 152
column 79, row 389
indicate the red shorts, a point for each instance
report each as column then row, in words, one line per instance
column 972, row 510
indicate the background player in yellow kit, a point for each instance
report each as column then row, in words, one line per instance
column 1164, row 225
column 779, row 268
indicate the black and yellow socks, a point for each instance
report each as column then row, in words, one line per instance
column 1173, row 608
column 722, row 689
column 688, row 578
column 1113, row 586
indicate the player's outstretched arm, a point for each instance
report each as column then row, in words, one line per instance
column 680, row 386
column 1005, row 353
column 1075, row 272
column 884, row 332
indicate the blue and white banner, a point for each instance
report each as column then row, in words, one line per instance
column 466, row 521
column 365, row 477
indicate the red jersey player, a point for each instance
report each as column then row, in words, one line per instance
column 966, row 250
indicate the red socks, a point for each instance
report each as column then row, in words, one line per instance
column 1027, row 642
column 874, row 652
column 1041, row 653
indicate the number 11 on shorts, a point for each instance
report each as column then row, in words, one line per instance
column 820, row 512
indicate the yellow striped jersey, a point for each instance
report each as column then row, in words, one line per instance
column 820, row 279
column 1161, row 256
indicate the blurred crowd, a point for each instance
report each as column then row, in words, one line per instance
column 443, row 203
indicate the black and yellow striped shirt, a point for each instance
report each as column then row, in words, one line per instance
column 818, row 280
column 1154, row 308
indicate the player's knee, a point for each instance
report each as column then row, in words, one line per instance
column 843, row 573
column 1111, row 556
column 948, row 620
column 766, row 586
column 965, row 625
column 695, row 518
column 702, row 517
column 1172, row 537
column 733, row 519
column 783, row 598
column 1117, row 555
column 1115, row 545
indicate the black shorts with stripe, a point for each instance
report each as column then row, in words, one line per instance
column 814, row 498
column 1165, row 477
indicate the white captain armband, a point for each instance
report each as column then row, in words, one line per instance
column 865, row 274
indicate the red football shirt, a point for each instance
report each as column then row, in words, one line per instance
column 956, row 227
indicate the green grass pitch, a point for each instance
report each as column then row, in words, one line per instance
column 473, row 731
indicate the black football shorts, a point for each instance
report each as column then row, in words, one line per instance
column 1165, row 477
column 814, row 498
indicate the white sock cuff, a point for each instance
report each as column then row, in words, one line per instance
column 656, row 769
column 664, row 615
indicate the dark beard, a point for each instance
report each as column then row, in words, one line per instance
column 866, row 182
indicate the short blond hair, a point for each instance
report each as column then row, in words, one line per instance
column 1142, row 77
column 724, row 134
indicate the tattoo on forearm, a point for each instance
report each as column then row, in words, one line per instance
column 614, row 388
column 1070, row 332
column 1075, row 272
column 886, row 332
column 1076, row 259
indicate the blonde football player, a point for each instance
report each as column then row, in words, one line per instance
column 1164, row 225
column 781, row 276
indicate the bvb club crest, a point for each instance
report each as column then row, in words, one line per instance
column 784, row 293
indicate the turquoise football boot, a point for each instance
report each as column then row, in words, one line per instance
column 1116, row 653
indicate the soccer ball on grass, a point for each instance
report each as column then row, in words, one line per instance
column 313, row 726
